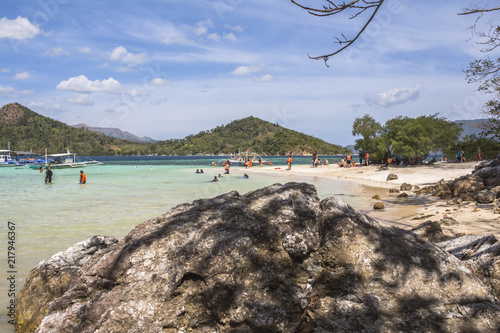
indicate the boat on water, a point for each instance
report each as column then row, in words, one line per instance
column 5, row 159
column 63, row 160
column 246, row 159
column 22, row 158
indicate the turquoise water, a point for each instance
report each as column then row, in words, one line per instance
column 118, row 195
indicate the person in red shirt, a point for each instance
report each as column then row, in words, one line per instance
column 289, row 162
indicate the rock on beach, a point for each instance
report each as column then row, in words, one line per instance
column 277, row 259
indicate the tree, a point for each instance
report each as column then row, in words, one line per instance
column 409, row 139
column 370, row 131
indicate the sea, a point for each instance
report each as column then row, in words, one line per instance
column 39, row 220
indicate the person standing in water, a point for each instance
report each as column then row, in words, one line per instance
column 289, row 162
column 83, row 178
column 48, row 175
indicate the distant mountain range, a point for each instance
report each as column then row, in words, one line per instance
column 115, row 133
column 474, row 126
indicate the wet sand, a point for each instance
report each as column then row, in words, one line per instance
column 407, row 212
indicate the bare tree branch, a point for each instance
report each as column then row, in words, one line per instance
column 337, row 7
column 469, row 11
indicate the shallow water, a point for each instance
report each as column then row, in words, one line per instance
column 50, row 218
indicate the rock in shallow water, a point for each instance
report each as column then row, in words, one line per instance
column 274, row 260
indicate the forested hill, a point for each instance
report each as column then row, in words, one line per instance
column 254, row 134
column 25, row 129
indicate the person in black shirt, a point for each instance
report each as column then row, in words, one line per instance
column 48, row 175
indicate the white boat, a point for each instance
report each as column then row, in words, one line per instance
column 5, row 159
column 246, row 159
column 63, row 160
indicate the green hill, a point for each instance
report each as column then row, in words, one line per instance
column 26, row 129
column 250, row 133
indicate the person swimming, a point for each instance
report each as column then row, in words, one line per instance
column 215, row 179
column 245, row 176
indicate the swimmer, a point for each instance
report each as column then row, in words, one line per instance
column 245, row 176
column 215, row 179
column 83, row 178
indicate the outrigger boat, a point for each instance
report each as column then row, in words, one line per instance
column 63, row 160
column 247, row 159
column 5, row 159
column 23, row 158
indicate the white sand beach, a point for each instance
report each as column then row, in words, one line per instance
column 407, row 212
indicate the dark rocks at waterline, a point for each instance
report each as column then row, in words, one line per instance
column 376, row 197
column 394, row 190
column 274, row 260
column 481, row 185
column 378, row 206
column 485, row 196
column 430, row 231
column 391, row 176
column 405, row 187
column 403, row 195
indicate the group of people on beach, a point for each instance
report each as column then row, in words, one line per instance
column 49, row 174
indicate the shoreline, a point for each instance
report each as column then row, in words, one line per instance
column 406, row 213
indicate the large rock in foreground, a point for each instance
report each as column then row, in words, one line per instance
column 273, row 260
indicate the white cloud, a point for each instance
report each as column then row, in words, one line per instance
column 81, row 99
column 83, row 85
column 36, row 105
column 237, row 28
column 6, row 91
column 245, row 70
column 159, row 82
column 121, row 54
column 230, row 36
column 135, row 93
column 29, row 92
column 202, row 27
column 265, row 78
column 214, row 37
column 22, row 76
column 19, row 28
column 397, row 96
column 56, row 52
column 84, row 49
column 4, row 70
column 56, row 107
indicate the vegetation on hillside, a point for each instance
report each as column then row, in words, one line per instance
column 27, row 130
column 249, row 133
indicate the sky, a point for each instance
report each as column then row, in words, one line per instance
column 167, row 69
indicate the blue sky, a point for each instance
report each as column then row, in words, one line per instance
column 167, row 69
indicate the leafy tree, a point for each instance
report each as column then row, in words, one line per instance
column 410, row 139
column 369, row 130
